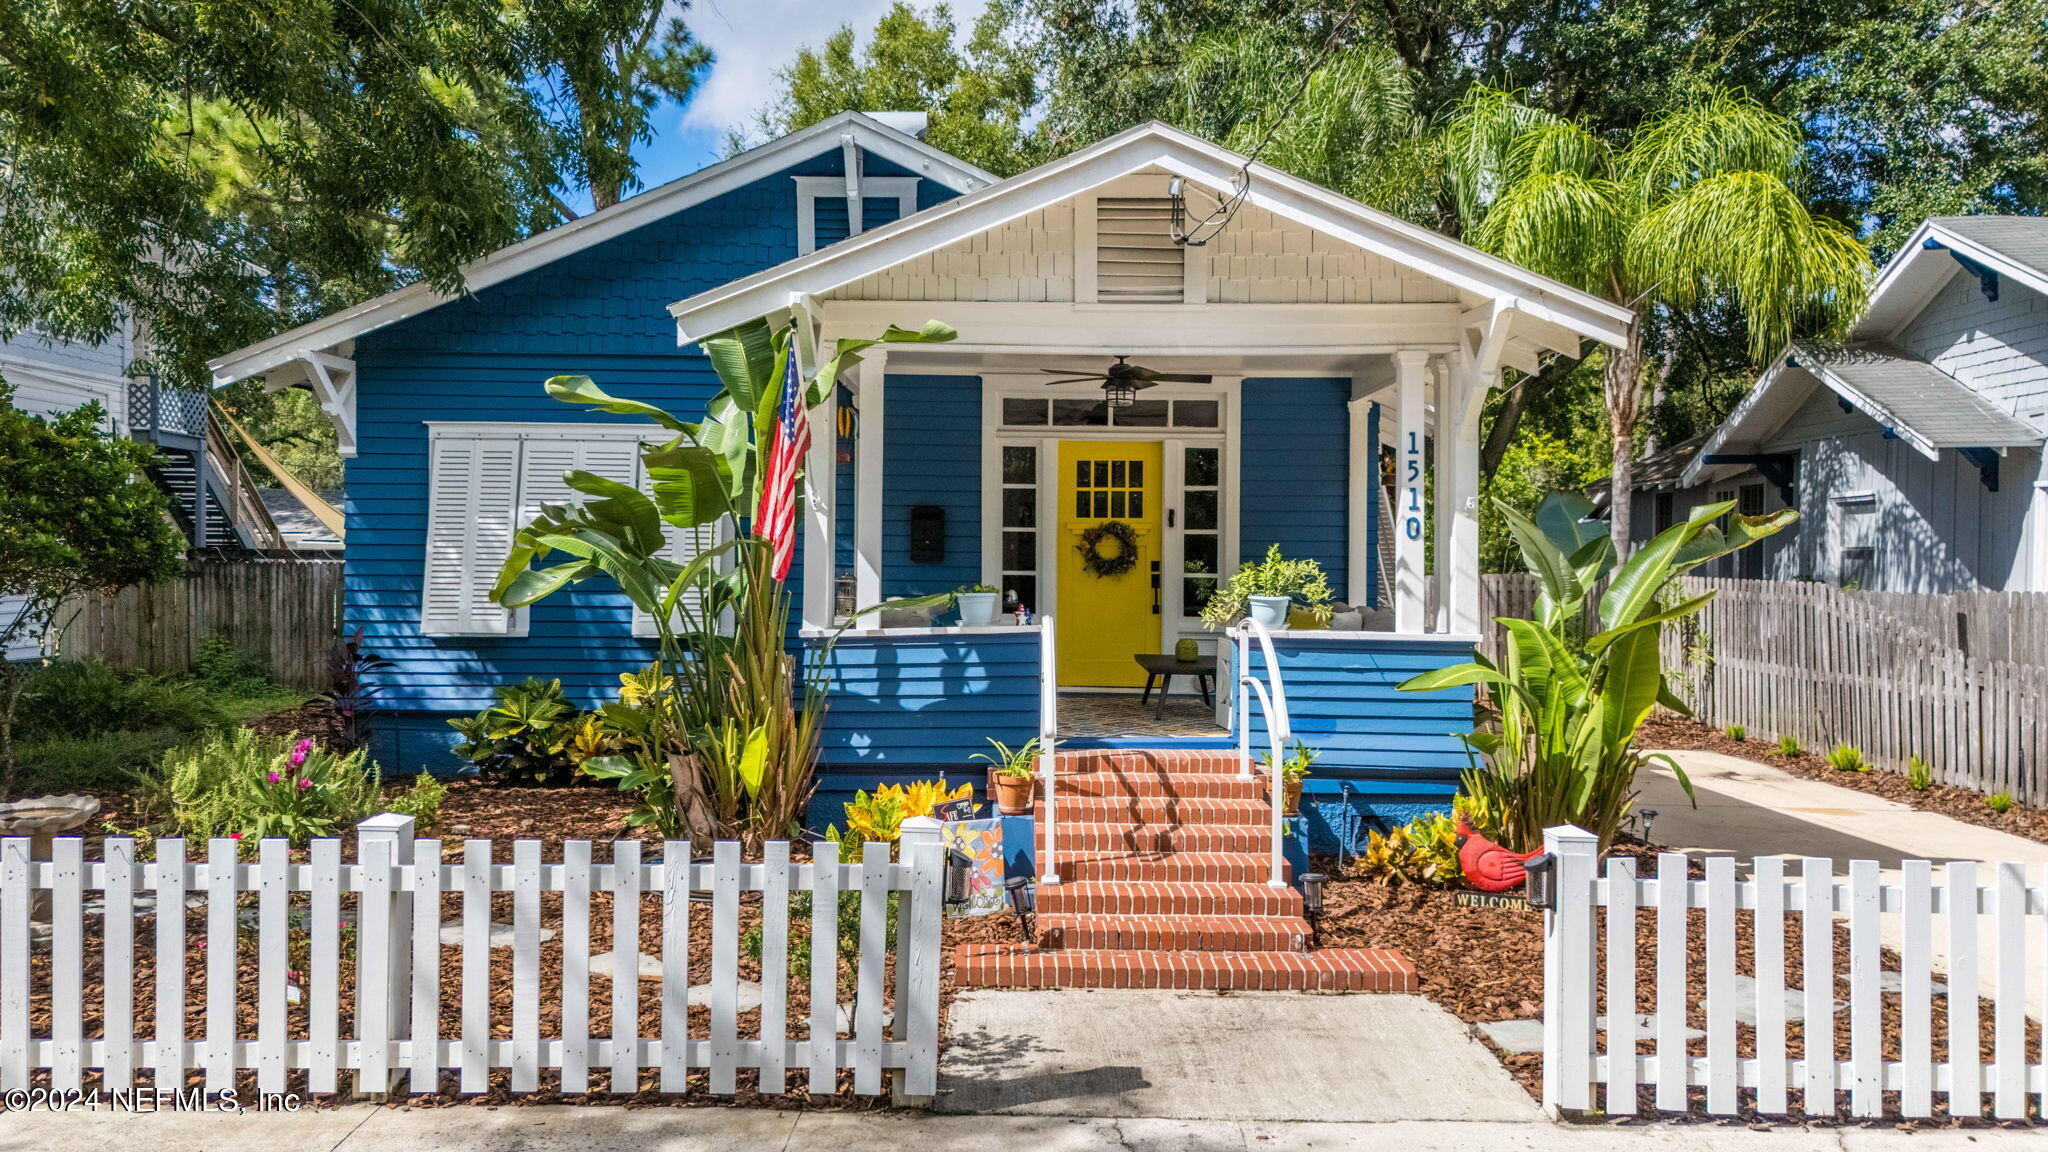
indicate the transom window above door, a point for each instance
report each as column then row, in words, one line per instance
column 1091, row 412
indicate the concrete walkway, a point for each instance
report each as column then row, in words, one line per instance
column 366, row 1128
column 1749, row 809
column 1211, row 1056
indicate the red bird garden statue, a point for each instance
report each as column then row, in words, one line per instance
column 1488, row 866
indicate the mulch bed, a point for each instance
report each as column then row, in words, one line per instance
column 314, row 718
column 1486, row 964
column 504, row 814
column 1665, row 730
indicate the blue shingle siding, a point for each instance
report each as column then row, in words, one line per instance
column 931, row 455
column 929, row 703
column 1295, row 459
column 601, row 312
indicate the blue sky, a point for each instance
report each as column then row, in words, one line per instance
column 752, row 40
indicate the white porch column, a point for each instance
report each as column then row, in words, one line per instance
column 1358, row 508
column 1409, row 516
column 821, row 492
column 867, row 481
column 1462, row 396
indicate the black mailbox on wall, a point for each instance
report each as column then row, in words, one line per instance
column 927, row 534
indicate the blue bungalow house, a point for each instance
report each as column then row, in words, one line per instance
column 1320, row 351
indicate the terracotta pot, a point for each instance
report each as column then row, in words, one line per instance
column 1013, row 794
column 1290, row 797
column 1488, row 866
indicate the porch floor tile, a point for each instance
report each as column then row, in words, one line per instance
column 1105, row 715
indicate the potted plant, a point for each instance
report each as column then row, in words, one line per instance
column 978, row 605
column 1266, row 589
column 1010, row 775
column 1293, row 770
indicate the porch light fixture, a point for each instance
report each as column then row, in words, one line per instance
column 1119, row 394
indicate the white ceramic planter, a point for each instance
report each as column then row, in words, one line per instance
column 978, row 609
column 1270, row 610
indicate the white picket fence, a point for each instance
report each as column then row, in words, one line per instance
column 1580, row 1051
column 393, row 894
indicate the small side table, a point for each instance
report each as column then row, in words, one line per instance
column 1162, row 667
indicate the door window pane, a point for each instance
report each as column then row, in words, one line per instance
column 1020, row 465
column 1195, row 594
column 1201, row 504
column 1020, row 507
column 1023, row 410
column 1204, row 468
column 1020, row 589
column 1020, row 550
column 1196, row 413
column 1199, row 552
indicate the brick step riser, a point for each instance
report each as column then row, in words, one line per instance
column 1331, row 970
column 1159, row 812
column 1255, row 936
column 1168, row 870
column 1095, row 838
column 1060, row 900
column 1154, row 764
column 1108, row 786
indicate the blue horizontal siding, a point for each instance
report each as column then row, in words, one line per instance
column 1343, row 701
column 928, row 703
column 931, row 455
column 1295, row 460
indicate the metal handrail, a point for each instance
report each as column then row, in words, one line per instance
column 1048, row 740
column 1279, row 728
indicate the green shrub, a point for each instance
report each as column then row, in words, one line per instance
column 523, row 739
column 1788, row 745
column 1999, row 802
column 241, row 783
column 422, row 801
column 1424, row 851
column 93, row 763
column 1848, row 758
column 1919, row 776
column 1737, row 733
column 88, row 697
column 224, row 667
column 1300, row 580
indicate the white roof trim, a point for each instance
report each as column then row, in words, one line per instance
column 1154, row 145
column 577, row 235
column 1912, row 277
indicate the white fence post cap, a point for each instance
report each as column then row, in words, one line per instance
column 386, row 824
column 1567, row 835
column 919, row 828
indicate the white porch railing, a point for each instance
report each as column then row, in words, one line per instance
column 1048, row 741
column 1279, row 729
column 1980, row 914
column 393, row 896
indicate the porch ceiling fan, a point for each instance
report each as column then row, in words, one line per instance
column 1122, row 380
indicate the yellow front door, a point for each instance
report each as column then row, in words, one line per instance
column 1105, row 620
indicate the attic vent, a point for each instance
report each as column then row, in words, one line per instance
column 1136, row 260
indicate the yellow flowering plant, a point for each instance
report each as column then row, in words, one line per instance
column 880, row 815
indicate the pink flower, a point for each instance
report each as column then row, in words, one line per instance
column 234, row 835
column 304, row 784
column 300, row 751
column 274, row 777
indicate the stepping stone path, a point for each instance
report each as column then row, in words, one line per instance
column 501, row 933
column 1516, row 1037
column 1746, row 1002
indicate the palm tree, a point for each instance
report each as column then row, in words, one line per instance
column 1701, row 204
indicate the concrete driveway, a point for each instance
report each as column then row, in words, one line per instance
column 1220, row 1056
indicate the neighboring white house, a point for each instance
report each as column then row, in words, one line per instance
column 1914, row 451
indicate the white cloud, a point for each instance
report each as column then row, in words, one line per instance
column 755, row 38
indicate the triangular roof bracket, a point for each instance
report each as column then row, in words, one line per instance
column 1987, row 278
column 1781, row 469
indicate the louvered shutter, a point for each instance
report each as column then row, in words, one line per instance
column 472, row 505
column 548, row 458
column 1136, row 260
column 683, row 546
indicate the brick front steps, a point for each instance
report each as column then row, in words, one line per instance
column 1165, row 858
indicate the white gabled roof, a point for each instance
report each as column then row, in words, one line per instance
column 2012, row 246
column 330, row 332
column 1153, row 146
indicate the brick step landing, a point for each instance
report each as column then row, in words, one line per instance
column 1178, row 933
column 1170, row 867
column 1327, row 970
column 1081, row 839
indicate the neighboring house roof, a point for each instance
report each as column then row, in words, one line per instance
column 302, row 531
column 1549, row 313
column 1661, row 471
column 2014, row 246
column 866, row 132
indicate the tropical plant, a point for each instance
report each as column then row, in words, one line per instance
column 76, row 516
column 1423, row 851
column 730, row 739
column 1919, row 775
column 879, row 815
column 1576, row 681
column 1789, row 745
column 1737, row 733
column 1848, row 758
column 2000, row 802
column 1295, row 764
column 523, row 739
column 1701, row 205
column 245, row 784
column 1020, row 763
column 353, row 694
column 1299, row 580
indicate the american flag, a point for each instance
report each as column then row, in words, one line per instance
column 775, row 521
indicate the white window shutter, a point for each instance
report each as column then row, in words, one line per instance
column 472, row 505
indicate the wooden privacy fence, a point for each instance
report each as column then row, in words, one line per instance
column 1761, row 1038
column 310, row 968
column 285, row 612
column 1960, row 681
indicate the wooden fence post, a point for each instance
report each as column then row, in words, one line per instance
column 1569, row 973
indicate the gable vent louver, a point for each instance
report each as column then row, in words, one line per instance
column 1136, row 259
